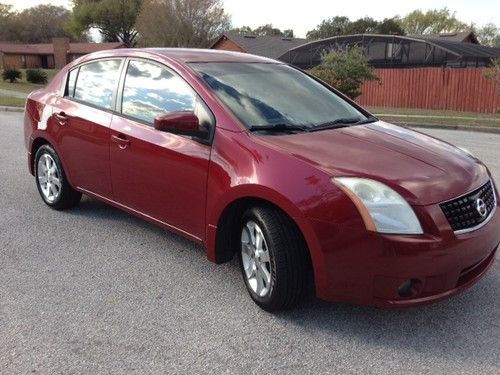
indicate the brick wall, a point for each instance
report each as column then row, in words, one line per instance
column 12, row 62
column 61, row 48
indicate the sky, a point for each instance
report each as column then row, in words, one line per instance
column 302, row 16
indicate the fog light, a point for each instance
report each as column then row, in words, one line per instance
column 410, row 288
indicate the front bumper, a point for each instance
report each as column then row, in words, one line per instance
column 362, row 267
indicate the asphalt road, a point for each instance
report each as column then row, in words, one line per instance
column 95, row 290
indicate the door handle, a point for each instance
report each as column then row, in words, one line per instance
column 122, row 141
column 61, row 118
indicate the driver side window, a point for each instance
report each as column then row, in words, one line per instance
column 150, row 90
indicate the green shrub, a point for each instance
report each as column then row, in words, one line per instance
column 346, row 70
column 493, row 74
column 11, row 75
column 36, row 76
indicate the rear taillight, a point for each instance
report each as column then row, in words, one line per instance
column 34, row 109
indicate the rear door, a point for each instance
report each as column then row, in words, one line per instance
column 159, row 174
column 82, row 118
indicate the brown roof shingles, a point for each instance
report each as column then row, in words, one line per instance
column 267, row 46
column 84, row 48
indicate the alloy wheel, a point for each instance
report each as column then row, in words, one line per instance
column 49, row 177
column 255, row 258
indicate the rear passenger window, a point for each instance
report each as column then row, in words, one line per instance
column 96, row 82
column 151, row 90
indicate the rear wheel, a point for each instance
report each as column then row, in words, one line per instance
column 274, row 259
column 51, row 180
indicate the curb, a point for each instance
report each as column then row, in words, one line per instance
column 11, row 109
column 468, row 128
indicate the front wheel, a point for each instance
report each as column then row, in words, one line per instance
column 274, row 259
column 51, row 180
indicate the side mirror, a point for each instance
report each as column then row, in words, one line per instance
column 183, row 123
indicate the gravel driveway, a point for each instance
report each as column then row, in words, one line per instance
column 95, row 290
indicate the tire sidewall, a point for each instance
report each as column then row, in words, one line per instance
column 254, row 215
column 46, row 149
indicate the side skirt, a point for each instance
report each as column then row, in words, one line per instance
column 142, row 215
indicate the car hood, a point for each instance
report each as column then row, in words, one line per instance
column 423, row 169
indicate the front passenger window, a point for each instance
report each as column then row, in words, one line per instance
column 151, row 90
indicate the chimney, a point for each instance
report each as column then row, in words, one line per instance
column 61, row 49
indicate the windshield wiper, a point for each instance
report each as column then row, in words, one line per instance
column 279, row 128
column 343, row 122
column 367, row 120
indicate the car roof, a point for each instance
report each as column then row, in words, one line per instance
column 188, row 55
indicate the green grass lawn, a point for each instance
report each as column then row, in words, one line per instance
column 435, row 117
column 22, row 85
column 11, row 101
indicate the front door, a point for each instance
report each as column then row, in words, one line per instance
column 159, row 174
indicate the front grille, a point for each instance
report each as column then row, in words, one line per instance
column 465, row 212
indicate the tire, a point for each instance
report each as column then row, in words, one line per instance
column 285, row 271
column 51, row 180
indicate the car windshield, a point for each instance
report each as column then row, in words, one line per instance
column 263, row 95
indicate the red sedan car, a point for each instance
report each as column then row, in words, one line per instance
column 256, row 159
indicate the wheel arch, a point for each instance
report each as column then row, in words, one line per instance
column 35, row 145
column 227, row 235
column 221, row 236
column 38, row 142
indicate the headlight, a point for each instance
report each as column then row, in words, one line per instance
column 382, row 209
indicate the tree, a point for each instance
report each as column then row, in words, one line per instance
column 267, row 30
column 5, row 10
column 264, row 30
column 365, row 25
column 181, row 23
column 6, row 22
column 432, row 22
column 41, row 23
column 38, row 24
column 115, row 19
column 242, row 30
column 344, row 26
column 346, row 70
column 389, row 26
column 330, row 27
column 489, row 35
column 493, row 73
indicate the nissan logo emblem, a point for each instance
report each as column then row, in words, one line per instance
column 481, row 207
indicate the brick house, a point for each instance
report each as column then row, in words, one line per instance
column 268, row 46
column 47, row 55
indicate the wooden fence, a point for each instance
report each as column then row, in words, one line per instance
column 459, row 89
